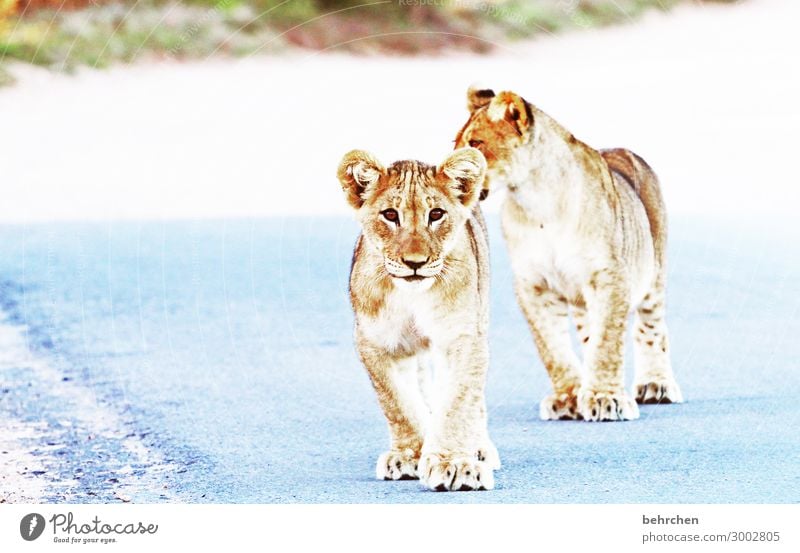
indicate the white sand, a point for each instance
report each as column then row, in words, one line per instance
column 707, row 94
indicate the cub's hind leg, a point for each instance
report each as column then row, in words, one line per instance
column 397, row 385
column 547, row 313
column 654, row 381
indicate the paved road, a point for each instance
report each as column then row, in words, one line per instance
column 212, row 362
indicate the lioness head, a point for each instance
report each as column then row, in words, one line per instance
column 411, row 212
column 497, row 125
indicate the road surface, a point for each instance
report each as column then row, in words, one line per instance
column 213, row 362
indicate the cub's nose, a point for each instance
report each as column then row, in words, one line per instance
column 414, row 262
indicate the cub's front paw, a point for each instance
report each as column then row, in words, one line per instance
column 594, row 405
column 659, row 390
column 397, row 465
column 444, row 474
column 560, row 406
column 488, row 453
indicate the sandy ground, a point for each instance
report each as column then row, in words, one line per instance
column 707, row 94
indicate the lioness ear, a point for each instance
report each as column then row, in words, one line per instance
column 513, row 109
column 358, row 171
column 466, row 168
column 478, row 97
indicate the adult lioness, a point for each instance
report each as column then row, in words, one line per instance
column 585, row 229
column 419, row 287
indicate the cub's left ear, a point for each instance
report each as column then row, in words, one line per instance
column 466, row 169
column 513, row 109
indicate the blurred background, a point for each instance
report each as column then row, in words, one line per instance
column 169, row 100
column 65, row 34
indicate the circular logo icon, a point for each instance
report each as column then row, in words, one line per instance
column 31, row 526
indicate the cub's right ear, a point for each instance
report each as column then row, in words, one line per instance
column 358, row 171
column 478, row 97
column 466, row 169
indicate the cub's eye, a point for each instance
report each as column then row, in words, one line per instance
column 435, row 214
column 390, row 215
column 475, row 143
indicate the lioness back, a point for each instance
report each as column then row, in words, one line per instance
column 637, row 174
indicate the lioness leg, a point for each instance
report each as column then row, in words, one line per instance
column 581, row 319
column 458, row 433
column 602, row 395
column 548, row 317
column 396, row 382
column 654, row 381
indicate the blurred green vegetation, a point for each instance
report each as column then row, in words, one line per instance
column 97, row 33
column 522, row 15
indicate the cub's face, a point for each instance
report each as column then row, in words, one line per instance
column 412, row 212
column 497, row 126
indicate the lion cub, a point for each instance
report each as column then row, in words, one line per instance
column 586, row 230
column 419, row 287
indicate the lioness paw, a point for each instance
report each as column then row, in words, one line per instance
column 596, row 405
column 559, row 406
column 397, row 465
column 657, row 390
column 455, row 474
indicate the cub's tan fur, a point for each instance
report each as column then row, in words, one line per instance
column 586, row 230
column 419, row 288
